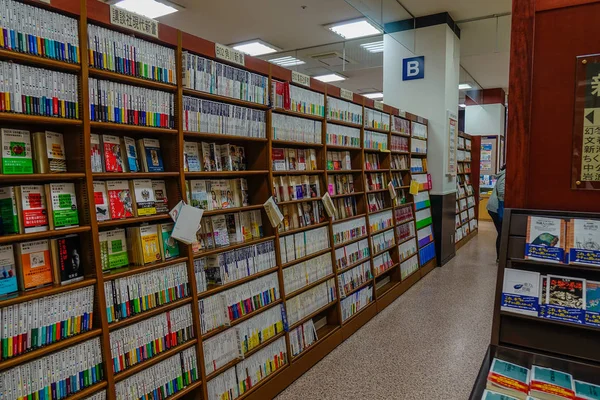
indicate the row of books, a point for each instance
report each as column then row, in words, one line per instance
column 161, row 380
column 561, row 298
column 206, row 157
column 124, row 54
column 146, row 339
column 400, row 125
column 464, row 144
column 291, row 159
column 139, row 293
column 303, row 244
column 356, row 302
column 345, row 207
column 56, row 375
column 376, row 181
column 296, row 187
column 248, row 372
column 218, row 194
column 340, row 184
column 399, row 179
column 399, row 144
column 338, row 161
column 221, row 309
column 124, row 154
column 339, row 135
column 220, row 350
column 463, row 231
column 515, row 381
column 294, row 129
column 354, row 278
column 38, row 208
column 411, row 265
column 40, row 322
column 297, row 99
column 37, row 91
column 226, row 229
column 342, row 110
column 306, row 303
column 376, row 119
column 382, row 263
column 399, row 162
column 407, row 249
column 31, row 265
column 462, row 155
column 230, row 266
column 260, row 328
column 464, row 168
column 352, row 253
column 131, row 105
column 207, row 116
column 376, row 201
column 302, row 337
column 375, row 141
column 303, row 274
column 27, row 29
column 405, row 231
column 418, row 146
column 383, row 241
column 349, row 230
column 418, row 165
column 22, row 155
column 418, row 130
column 373, row 162
column 380, row 221
column 403, row 214
column 129, row 198
column 300, row 215
column 206, row 75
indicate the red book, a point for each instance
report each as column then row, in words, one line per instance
column 119, row 199
column 113, row 158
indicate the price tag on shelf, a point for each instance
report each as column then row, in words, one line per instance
column 328, row 204
column 273, row 212
column 392, row 190
column 414, row 187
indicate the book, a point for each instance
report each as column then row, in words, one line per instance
column 489, row 395
column 113, row 249
column 586, row 391
column 520, row 292
column 199, row 195
column 49, row 153
column 130, row 152
column 566, row 299
column 191, row 157
column 551, row 384
column 208, row 164
column 546, row 239
column 143, row 194
column 66, row 259
column 278, row 159
column 220, row 234
column 168, row 245
column 31, row 207
column 119, row 199
column 8, row 274
column 215, row 157
column 509, row 379
column 160, row 196
column 144, row 244
column 151, row 157
column 113, row 156
column 101, row 201
column 16, row 155
column 33, row 264
column 62, row 203
column 592, row 303
column 8, row 211
column 583, row 242
column 227, row 155
column 188, row 224
column 96, row 153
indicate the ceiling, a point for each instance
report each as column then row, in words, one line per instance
column 297, row 28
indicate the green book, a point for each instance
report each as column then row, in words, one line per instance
column 113, row 249
column 586, row 391
column 169, row 246
column 8, row 211
column 16, row 152
column 63, row 205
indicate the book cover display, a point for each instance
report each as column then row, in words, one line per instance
column 31, row 203
column 520, row 292
column 145, row 202
column 17, row 157
column 8, row 211
column 66, row 259
column 101, row 201
column 49, row 152
column 120, row 199
column 113, row 155
column 34, row 263
column 547, row 383
column 592, row 303
column 113, row 249
column 509, row 379
column 8, row 275
column 160, row 196
column 63, row 205
column 584, row 242
column 566, row 299
column 545, row 239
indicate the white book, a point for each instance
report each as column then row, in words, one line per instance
column 520, row 292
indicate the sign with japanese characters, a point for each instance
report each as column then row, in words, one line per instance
column 229, row 54
column 133, row 21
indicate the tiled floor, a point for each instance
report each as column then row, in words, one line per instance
column 427, row 345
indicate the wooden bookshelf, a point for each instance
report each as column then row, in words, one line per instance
column 467, row 176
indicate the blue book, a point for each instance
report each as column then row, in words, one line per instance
column 131, row 154
column 151, row 156
column 592, row 303
column 8, row 275
column 586, row 391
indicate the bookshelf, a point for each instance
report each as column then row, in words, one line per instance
column 467, row 195
column 339, row 126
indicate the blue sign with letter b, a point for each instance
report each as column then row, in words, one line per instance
column 413, row 68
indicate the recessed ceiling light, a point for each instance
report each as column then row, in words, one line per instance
column 464, row 86
column 377, row 95
column 330, row 78
column 354, row 29
column 287, row 61
column 147, row 8
column 462, row 105
column 373, row 47
column 256, row 48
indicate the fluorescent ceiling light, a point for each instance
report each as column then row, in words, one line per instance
column 330, row 78
column 464, row 86
column 354, row 29
column 256, row 48
column 462, row 105
column 148, row 8
column 374, row 96
column 287, row 61
column 373, row 47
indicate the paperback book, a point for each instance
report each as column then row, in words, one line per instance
column 66, row 259
column 143, row 194
column 49, row 152
column 120, row 200
column 101, row 201
column 96, row 153
column 32, row 209
column 16, row 152
column 566, row 297
column 169, row 246
column 8, row 274
column 547, row 383
column 113, row 249
column 546, row 239
column 592, row 303
column 151, row 156
column 509, row 379
column 129, row 148
column 113, row 157
column 520, row 292
column 584, row 242
column 63, row 205
column 8, row 211
column 160, row 196
column 34, row 265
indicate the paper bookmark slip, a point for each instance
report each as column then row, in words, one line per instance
column 328, row 204
column 392, row 190
column 273, row 212
column 414, row 187
column 187, row 224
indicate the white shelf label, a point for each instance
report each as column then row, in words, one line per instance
column 346, row 94
column 379, row 105
column 133, row 21
column 229, row 54
column 300, row 79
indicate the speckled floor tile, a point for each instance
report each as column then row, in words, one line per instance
column 427, row 345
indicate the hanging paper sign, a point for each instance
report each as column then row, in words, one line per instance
column 328, row 204
column 346, row 94
column 229, row 54
column 133, row 21
column 300, row 79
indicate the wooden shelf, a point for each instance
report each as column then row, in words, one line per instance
column 400, row 169
column 21, row 297
column 312, row 172
column 188, row 389
column 208, row 213
column 38, row 61
column 337, row 196
column 355, row 264
column 220, row 288
column 131, row 80
column 150, row 313
column 341, row 147
column 134, row 175
column 134, row 369
column 209, row 252
column 85, row 393
column 225, row 174
column 222, row 136
column 378, row 191
column 400, row 152
column 133, row 220
column 406, row 240
column 375, row 171
column 380, row 252
column 551, row 264
column 286, row 203
column 130, row 129
column 304, row 228
column 306, row 258
column 381, row 230
column 368, row 128
column 418, row 154
column 407, row 135
column 406, row 259
column 277, row 142
column 51, row 348
column 7, row 117
column 356, row 289
column 224, row 99
column 134, row 269
column 343, row 171
column 337, row 246
column 313, row 314
column 550, row 321
column 23, row 237
column 263, row 382
column 59, row 177
column 404, row 222
column 387, row 270
column 298, row 114
column 322, row 333
column 386, row 288
column 344, row 123
column 310, row 286
column 369, row 150
column 337, row 221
